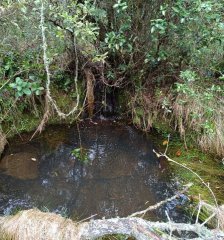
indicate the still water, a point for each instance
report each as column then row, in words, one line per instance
column 121, row 175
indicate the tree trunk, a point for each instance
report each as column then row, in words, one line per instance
column 90, row 80
column 3, row 141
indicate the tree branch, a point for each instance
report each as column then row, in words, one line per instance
column 36, row 225
column 150, row 208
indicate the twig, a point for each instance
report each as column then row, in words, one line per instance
column 170, row 223
column 150, row 208
column 202, row 181
column 167, row 145
column 199, row 210
column 208, row 219
column 171, row 160
column 83, row 220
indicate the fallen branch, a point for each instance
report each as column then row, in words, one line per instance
column 36, row 225
column 218, row 212
column 150, row 208
column 202, row 181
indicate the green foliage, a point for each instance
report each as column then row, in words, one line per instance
column 115, row 237
column 142, row 45
column 26, row 88
column 120, row 6
column 81, row 154
column 158, row 25
column 188, row 75
column 115, row 41
column 119, row 39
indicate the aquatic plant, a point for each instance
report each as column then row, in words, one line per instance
column 81, row 154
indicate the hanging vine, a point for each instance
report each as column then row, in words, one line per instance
column 49, row 101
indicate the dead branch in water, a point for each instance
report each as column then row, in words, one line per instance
column 36, row 225
column 156, row 206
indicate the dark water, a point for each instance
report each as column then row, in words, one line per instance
column 122, row 175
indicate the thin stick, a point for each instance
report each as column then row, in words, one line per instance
column 167, row 145
column 83, row 220
column 207, row 186
column 150, row 208
column 171, row 230
column 208, row 219
column 199, row 209
column 202, row 181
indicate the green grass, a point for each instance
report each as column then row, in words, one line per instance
column 207, row 166
column 115, row 237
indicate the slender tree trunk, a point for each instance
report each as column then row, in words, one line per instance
column 3, row 141
column 90, row 80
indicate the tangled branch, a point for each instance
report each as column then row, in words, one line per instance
column 36, row 225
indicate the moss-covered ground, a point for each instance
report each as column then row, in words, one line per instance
column 209, row 167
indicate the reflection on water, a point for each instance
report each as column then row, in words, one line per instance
column 122, row 175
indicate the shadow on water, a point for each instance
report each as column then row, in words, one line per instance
column 122, row 175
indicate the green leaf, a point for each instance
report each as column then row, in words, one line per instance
column 221, row 78
column 182, row 20
column 27, row 91
column 19, row 88
column 12, row 85
column 20, row 94
column 24, row 9
column 175, row 9
column 19, row 80
column 32, row 77
column 24, row 84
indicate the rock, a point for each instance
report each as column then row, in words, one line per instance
column 20, row 165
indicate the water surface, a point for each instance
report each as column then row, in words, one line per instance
column 122, row 175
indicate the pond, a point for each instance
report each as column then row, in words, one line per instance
column 121, row 174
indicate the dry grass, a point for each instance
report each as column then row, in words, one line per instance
column 204, row 119
column 190, row 114
column 35, row 225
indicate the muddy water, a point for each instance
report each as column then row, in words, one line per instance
column 121, row 175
